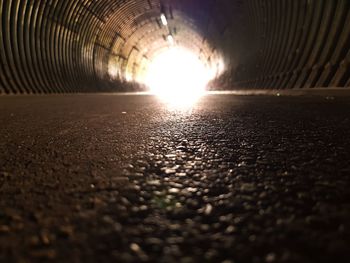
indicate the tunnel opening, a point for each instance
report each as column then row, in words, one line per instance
column 178, row 76
column 162, row 43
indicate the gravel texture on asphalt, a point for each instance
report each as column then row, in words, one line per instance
column 111, row 178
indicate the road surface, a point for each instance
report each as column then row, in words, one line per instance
column 116, row 178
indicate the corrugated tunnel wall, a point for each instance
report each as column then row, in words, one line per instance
column 296, row 44
column 58, row 46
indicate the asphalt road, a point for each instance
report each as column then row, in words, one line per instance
column 109, row 178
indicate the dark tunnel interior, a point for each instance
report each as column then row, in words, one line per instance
column 89, row 46
column 175, row 131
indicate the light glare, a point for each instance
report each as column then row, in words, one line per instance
column 164, row 20
column 171, row 40
column 177, row 76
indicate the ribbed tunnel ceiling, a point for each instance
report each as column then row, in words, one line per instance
column 133, row 33
column 92, row 45
column 96, row 45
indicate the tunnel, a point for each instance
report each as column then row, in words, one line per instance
column 175, row 131
column 92, row 46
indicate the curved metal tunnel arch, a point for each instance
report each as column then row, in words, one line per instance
column 69, row 46
column 133, row 49
column 59, row 46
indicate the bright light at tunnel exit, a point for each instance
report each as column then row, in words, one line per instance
column 178, row 76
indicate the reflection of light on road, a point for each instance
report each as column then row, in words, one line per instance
column 178, row 77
